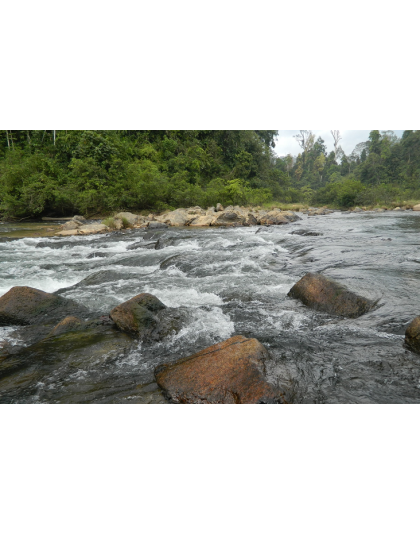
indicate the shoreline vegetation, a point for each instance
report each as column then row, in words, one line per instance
column 60, row 173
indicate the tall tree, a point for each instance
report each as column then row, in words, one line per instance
column 337, row 138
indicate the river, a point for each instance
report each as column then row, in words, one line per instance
column 230, row 281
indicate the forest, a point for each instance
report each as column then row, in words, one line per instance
column 96, row 172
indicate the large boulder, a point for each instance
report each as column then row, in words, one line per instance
column 273, row 217
column 219, row 207
column 227, row 218
column 178, row 217
column 412, row 335
column 323, row 294
column 23, row 305
column 203, row 220
column 71, row 225
column 231, row 372
column 416, row 208
column 130, row 217
column 138, row 316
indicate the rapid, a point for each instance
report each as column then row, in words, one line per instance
column 230, row 281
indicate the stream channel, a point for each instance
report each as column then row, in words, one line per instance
column 228, row 281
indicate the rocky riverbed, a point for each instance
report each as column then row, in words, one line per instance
column 315, row 311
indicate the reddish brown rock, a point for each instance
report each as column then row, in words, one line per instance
column 25, row 305
column 320, row 293
column 412, row 335
column 231, row 372
column 137, row 316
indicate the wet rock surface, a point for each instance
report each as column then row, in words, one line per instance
column 412, row 335
column 323, row 294
column 146, row 317
column 231, row 372
column 26, row 306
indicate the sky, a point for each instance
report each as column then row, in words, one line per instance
column 287, row 144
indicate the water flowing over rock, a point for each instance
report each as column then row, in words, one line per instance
column 322, row 294
column 23, row 305
column 412, row 335
column 231, row 372
column 137, row 316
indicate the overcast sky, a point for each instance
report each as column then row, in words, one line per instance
column 287, row 144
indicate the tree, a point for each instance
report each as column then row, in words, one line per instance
column 319, row 165
column 305, row 139
column 337, row 139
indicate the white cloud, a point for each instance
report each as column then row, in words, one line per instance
column 286, row 143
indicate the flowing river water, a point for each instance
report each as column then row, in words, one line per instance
column 229, row 281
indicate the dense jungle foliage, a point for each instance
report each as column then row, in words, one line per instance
column 90, row 172
column 49, row 172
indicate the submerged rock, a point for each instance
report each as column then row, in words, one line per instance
column 320, row 293
column 68, row 324
column 306, row 233
column 23, row 305
column 412, row 335
column 231, row 372
column 156, row 225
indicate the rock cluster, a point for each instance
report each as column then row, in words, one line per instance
column 195, row 217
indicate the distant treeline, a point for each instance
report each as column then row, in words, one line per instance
column 58, row 172
column 382, row 170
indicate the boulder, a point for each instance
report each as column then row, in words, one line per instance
column 137, row 316
column 71, row 225
column 250, row 220
column 416, row 208
column 203, row 220
column 131, row 218
column 177, row 217
column 397, row 209
column 231, row 372
column 219, row 207
column 412, row 335
column 227, row 218
column 23, row 305
column 291, row 216
column 273, row 217
column 323, row 294
column 68, row 324
column 79, row 218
